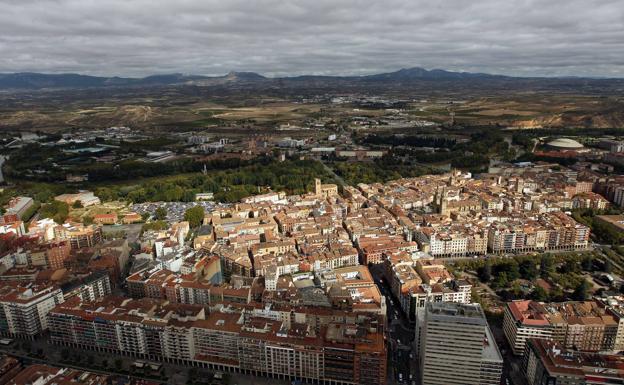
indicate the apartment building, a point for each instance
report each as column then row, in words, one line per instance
column 548, row 231
column 79, row 236
column 583, row 326
column 337, row 353
column 458, row 347
column 24, row 308
column 548, row 362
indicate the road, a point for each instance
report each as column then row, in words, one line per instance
column 336, row 176
column 601, row 247
column 400, row 334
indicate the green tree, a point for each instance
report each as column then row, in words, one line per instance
column 570, row 266
column 582, row 291
column 501, row 280
column 195, row 216
column 77, row 205
column 547, row 266
column 59, row 211
column 587, row 264
column 160, row 213
column 87, row 220
column 485, row 272
column 608, row 266
column 528, row 269
column 539, row 294
column 156, row 225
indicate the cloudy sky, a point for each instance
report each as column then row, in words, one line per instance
column 290, row 37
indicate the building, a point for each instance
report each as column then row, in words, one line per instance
column 589, row 200
column 105, row 219
column 19, row 206
column 565, row 144
column 458, row 347
column 548, row 231
column 39, row 374
column 522, row 321
column 325, row 190
column 584, row 326
column 611, row 145
column 94, row 287
column 79, row 236
column 57, row 253
column 336, row 353
column 547, row 362
column 86, row 198
column 24, row 308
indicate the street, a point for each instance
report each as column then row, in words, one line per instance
column 402, row 363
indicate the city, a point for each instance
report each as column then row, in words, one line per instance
column 205, row 192
column 338, row 285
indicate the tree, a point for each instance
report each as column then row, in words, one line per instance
column 539, row 294
column 160, row 213
column 195, row 216
column 87, row 220
column 608, row 266
column 587, row 264
column 58, row 211
column 547, row 266
column 118, row 364
column 77, row 205
column 156, row 225
column 581, row 293
column 501, row 280
column 528, row 269
column 145, row 216
column 570, row 266
column 485, row 273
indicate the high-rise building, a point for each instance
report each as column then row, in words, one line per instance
column 458, row 347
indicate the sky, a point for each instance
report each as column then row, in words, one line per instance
column 330, row 37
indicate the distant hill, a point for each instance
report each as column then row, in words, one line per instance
column 35, row 81
column 418, row 73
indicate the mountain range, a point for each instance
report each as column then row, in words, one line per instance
column 36, row 81
column 31, row 80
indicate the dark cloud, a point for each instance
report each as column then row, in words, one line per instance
column 289, row 37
